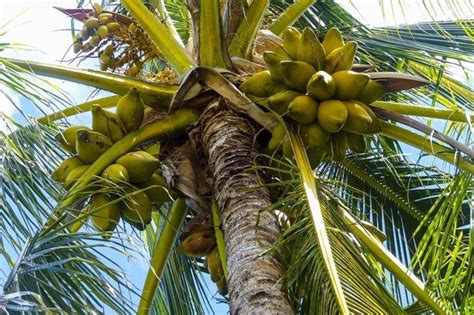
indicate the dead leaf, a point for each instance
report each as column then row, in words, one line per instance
column 225, row 88
column 183, row 177
column 396, row 81
column 245, row 66
column 265, row 41
column 359, row 67
column 83, row 14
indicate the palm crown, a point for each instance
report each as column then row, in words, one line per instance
column 264, row 147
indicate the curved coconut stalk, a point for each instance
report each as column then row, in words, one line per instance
column 425, row 111
column 105, row 102
column 291, row 14
column 425, row 145
column 212, row 49
column 156, row 95
column 241, row 44
column 369, row 180
column 173, row 52
column 178, row 121
column 307, row 178
column 407, row 121
column 254, row 277
column 161, row 252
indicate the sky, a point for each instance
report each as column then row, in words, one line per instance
column 37, row 24
column 46, row 30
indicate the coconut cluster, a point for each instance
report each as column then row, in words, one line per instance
column 118, row 42
column 135, row 175
column 199, row 240
column 311, row 84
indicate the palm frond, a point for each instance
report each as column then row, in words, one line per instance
column 306, row 279
column 180, row 17
column 443, row 252
column 27, row 193
column 21, row 82
column 447, row 39
column 40, row 92
column 386, row 189
column 367, row 183
column 318, row 217
column 68, row 271
column 23, row 302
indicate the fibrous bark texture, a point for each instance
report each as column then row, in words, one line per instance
column 254, row 278
column 233, row 15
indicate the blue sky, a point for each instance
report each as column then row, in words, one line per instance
column 39, row 25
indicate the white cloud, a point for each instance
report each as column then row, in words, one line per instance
column 37, row 24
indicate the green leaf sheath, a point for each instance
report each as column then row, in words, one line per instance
column 290, row 15
column 211, row 53
column 173, row 52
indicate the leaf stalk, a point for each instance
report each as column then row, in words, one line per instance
column 161, row 253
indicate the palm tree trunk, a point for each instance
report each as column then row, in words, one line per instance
column 254, row 279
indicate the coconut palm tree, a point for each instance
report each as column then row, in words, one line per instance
column 370, row 233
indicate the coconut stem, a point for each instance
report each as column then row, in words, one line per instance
column 161, row 252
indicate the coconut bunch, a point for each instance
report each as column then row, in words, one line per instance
column 116, row 40
column 198, row 240
column 310, row 84
column 135, row 174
